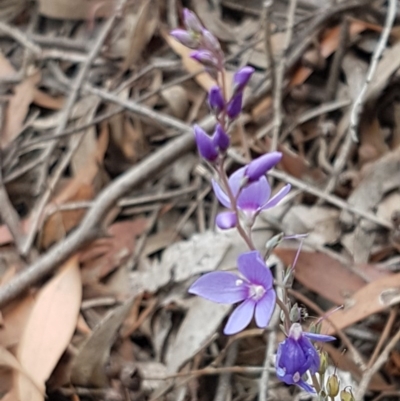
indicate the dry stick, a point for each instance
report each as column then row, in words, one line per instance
column 369, row 373
column 280, row 75
column 76, row 86
column 270, row 349
column 270, row 65
column 384, row 336
column 90, row 225
column 376, row 56
column 358, row 103
column 225, row 378
column 18, row 36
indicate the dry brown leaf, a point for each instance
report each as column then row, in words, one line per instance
column 88, row 366
column 75, row 9
column 144, row 28
column 105, row 255
column 49, row 329
column 322, row 274
column 18, row 107
column 47, row 101
column 372, row 298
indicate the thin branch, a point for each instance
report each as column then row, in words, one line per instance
column 369, row 373
column 280, row 75
column 376, row 56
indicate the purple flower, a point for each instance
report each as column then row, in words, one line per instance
column 253, row 288
column 221, row 139
column 241, row 78
column 216, row 99
column 296, row 355
column 211, row 42
column 192, row 23
column 205, row 144
column 205, row 57
column 235, row 106
column 185, row 38
column 258, row 167
column 251, row 199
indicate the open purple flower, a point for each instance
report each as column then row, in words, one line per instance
column 251, row 199
column 297, row 355
column 253, row 288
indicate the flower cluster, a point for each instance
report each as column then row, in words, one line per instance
column 245, row 194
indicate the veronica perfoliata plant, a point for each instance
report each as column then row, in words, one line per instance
column 245, row 194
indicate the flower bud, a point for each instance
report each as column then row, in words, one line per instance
column 185, row 38
column 226, row 220
column 333, row 386
column 346, row 395
column 221, row 139
column 323, row 362
column 235, row 106
column 210, row 41
column 205, row 145
column 216, row 99
column 241, row 78
column 204, row 57
column 259, row 167
column 295, row 314
column 191, row 21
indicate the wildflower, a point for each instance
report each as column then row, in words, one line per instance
column 221, row 139
column 205, row 57
column 241, row 78
column 258, row 167
column 253, row 288
column 192, row 23
column 216, row 99
column 186, row 38
column 297, row 355
column 205, row 145
column 251, row 199
column 235, row 106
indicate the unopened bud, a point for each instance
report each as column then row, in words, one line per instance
column 295, row 313
column 333, row 386
column 191, row 21
column 205, row 144
column 216, row 99
column 211, row 42
column 185, row 38
column 235, row 106
column 205, row 57
column 221, row 139
column 346, row 395
column 241, row 78
column 323, row 362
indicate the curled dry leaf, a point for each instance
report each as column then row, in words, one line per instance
column 48, row 329
column 88, row 366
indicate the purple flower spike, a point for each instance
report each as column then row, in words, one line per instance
column 205, row 144
column 191, row 21
column 253, row 198
column 185, row 38
column 216, row 99
column 253, row 288
column 221, row 138
column 241, row 78
column 259, row 167
column 235, row 106
column 204, row 57
column 296, row 355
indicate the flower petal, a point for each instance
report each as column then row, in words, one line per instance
column 226, row 220
column 240, row 317
column 254, row 195
column 306, row 387
column 277, row 198
column 319, row 337
column 220, row 194
column 220, row 287
column 235, row 180
column 264, row 308
column 252, row 266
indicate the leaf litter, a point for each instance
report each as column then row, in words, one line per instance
column 113, row 320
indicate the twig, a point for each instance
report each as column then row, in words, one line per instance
column 369, row 373
column 270, row 65
column 270, row 349
column 224, row 379
column 279, row 76
column 380, row 48
column 76, row 86
column 22, row 39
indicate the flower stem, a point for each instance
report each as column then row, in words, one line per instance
column 316, row 383
column 286, row 312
